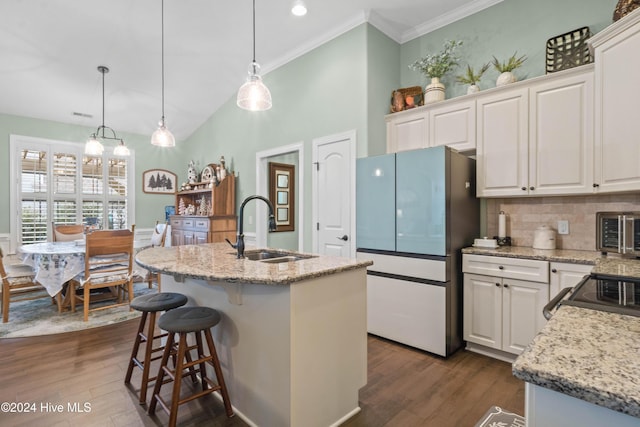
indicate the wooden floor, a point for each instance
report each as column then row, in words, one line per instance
column 406, row 387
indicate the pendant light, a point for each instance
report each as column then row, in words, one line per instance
column 93, row 146
column 162, row 137
column 254, row 95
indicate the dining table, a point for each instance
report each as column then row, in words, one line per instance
column 55, row 263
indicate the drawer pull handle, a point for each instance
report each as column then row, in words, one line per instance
column 500, row 267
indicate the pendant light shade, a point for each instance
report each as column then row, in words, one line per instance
column 93, row 146
column 254, row 95
column 162, row 137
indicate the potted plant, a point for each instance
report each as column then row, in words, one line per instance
column 506, row 68
column 472, row 78
column 435, row 66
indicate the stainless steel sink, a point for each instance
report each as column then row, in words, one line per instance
column 274, row 257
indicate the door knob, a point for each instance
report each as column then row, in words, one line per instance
column 345, row 238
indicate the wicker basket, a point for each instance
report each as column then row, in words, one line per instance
column 568, row 50
column 414, row 93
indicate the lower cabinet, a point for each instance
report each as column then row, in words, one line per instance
column 194, row 230
column 566, row 275
column 504, row 314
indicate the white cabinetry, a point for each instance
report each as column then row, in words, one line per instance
column 503, row 301
column 617, row 67
column 447, row 123
column 453, row 124
column 537, row 139
column 561, row 135
column 407, row 130
column 566, row 275
column 502, row 157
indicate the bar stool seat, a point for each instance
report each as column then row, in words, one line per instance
column 150, row 304
column 182, row 321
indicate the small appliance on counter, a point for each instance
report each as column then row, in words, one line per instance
column 544, row 237
column 618, row 232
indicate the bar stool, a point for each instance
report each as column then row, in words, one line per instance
column 150, row 304
column 182, row 321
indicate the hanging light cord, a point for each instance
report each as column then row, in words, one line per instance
column 162, row 56
column 254, row 31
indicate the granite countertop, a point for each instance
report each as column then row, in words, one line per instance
column 591, row 355
column 218, row 261
column 555, row 255
column 611, row 265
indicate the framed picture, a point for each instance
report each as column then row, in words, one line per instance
column 159, row 181
column 282, row 194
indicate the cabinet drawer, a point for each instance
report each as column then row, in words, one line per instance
column 421, row 268
column 513, row 268
column 202, row 224
column 188, row 223
column 176, row 223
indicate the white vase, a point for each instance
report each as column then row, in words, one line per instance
column 434, row 91
column 473, row 89
column 506, row 78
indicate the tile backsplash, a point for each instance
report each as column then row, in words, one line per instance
column 525, row 214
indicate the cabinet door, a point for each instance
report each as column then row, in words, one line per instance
column 566, row 275
column 561, row 135
column 453, row 125
column 421, row 222
column 502, row 157
column 407, row 130
column 200, row 237
column 522, row 319
column 617, row 65
column 376, row 202
column 177, row 238
column 482, row 320
column 188, row 237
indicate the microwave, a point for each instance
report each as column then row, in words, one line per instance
column 618, row 232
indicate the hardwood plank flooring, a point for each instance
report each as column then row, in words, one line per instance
column 406, row 387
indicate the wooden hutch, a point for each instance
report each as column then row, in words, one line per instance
column 218, row 223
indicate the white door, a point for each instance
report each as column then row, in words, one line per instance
column 334, row 194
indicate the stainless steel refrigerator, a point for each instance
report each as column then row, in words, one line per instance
column 415, row 211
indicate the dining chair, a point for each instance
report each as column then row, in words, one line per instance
column 67, row 232
column 158, row 239
column 18, row 284
column 108, row 266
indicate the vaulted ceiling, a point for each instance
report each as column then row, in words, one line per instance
column 50, row 51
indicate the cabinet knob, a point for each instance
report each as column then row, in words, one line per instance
column 524, row 188
column 553, row 270
column 596, row 185
column 532, row 188
column 498, row 284
column 500, row 267
column 506, row 285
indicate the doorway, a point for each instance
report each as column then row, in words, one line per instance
column 284, row 154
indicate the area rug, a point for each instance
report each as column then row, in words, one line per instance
column 497, row 417
column 41, row 317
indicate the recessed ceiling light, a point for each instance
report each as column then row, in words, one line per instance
column 299, row 8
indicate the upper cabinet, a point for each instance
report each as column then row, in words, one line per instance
column 617, row 102
column 449, row 123
column 536, row 138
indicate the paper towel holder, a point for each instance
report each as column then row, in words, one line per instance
column 503, row 241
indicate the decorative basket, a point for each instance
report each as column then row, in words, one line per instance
column 624, row 7
column 411, row 97
column 568, row 50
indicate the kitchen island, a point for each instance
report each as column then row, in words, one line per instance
column 293, row 337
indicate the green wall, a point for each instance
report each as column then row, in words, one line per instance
column 513, row 25
column 149, row 207
column 342, row 85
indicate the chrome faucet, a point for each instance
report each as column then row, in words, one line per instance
column 239, row 245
